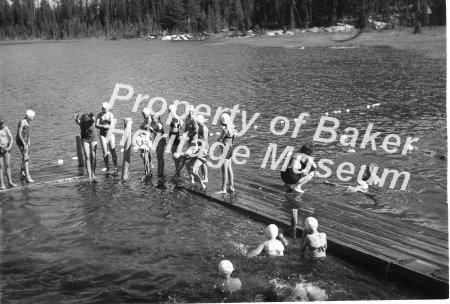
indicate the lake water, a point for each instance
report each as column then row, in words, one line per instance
column 129, row 243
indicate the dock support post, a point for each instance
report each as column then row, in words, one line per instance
column 126, row 149
column 294, row 219
column 79, row 151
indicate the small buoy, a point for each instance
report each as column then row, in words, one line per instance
column 104, row 169
column 376, row 105
column 339, row 112
column 348, row 110
column 60, row 162
column 255, row 127
column 75, row 158
column 368, row 106
column 217, row 133
column 334, row 112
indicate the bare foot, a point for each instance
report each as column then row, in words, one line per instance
column 203, row 186
column 2, row 187
column 299, row 190
column 12, row 185
column 222, row 192
column 29, row 179
column 205, row 180
column 232, row 188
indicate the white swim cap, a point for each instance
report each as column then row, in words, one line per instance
column 225, row 118
column 176, row 155
column 200, row 119
column 190, row 108
column 272, row 231
column 311, row 223
column 226, row 267
column 146, row 111
column 30, row 114
column 105, row 105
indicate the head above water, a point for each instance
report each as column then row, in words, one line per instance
column 271, row 231
column 307, row 149
column 311, row 223
column 201, row 119
column 105, row 107
column 225, row 268
column 225, row 119
column 30, row 114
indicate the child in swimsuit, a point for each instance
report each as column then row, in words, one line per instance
column 227, row 138
column 191, row 127
column 300, row 169
column 23, row 141
column 160, row 146
column 6, row 141
column 175, row 132
column 103, row 122
column 227, row 283
column 145, row 152
column 312, row 240
column 89, row 141
column 363, row 185
column 203, row 139
column 272, row 247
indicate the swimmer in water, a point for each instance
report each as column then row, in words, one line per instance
column 227, row 138
column 227, row 283
column 272, row 247
column 370, row 176
column 23, row 142
column 89, row 141
column 300, row 169
column 314, row 241
column 6, row 142
column 103, row 123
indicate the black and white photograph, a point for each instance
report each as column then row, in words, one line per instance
column 223, row 151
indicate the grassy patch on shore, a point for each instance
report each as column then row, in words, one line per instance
column 431, row 43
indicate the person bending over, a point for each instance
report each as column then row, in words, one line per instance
column 300, row 169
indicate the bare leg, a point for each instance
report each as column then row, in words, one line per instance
column 25, row 160
column 112, row 149
column 2, row 184
column 224, row 171
column 94, row 157
column 87, row 158
column 8, row 169
column 204, row 169
column 303, row 181
column 160, row 156
column 104, row 145
column 230, row 175
column 194, row 171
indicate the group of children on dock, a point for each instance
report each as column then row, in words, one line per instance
column 23, row 142
column 192, row 128
column 313, row 242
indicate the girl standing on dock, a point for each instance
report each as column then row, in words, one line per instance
column 175, row 130
column 6, row 141
column 23, row 141
column 103, row 121
column 145, row 152
column 227, row 139
column 159, row 128
column 89, row 141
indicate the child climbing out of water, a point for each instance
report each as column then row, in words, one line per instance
column 300, row 169
column 271, row 247
column 227, row 283
column 6, row 141
column 227, row 139
column 369, row 177
column 192, row 158
column 23, row 142
column 312, row 240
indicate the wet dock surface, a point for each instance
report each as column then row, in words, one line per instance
column 395, row 249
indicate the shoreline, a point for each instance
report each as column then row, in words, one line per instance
column 431, row 43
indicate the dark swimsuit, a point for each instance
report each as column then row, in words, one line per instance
column 289, row 176
column 176, row 142
column 103, row 122
column 87, row 129
column 25, row 135
column 228, row 139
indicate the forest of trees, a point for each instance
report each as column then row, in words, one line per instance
column 74, row 19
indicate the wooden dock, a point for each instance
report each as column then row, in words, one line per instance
column 396, row 250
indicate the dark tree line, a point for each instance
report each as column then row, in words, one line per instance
column 71, row 19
